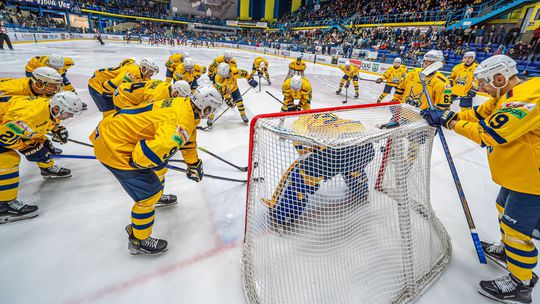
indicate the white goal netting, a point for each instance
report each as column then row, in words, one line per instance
column 338, row 208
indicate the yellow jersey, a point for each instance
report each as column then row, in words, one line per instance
column 173, row 61
column 393, row 76
column 303, row 95
column 105, row 81
column 17, row 86
column 509, row 127
column 132, row 94
column 294, row 65
column 351, row 72
column 148, row 134
column 181, row 74
column 410, row 90
column 43, row 61
column 212, row 69
column 462, row 79
column 257, row 62
column 226, row 86
column 24, row 120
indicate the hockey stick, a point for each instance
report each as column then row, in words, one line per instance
column 168, row 166
column 472, row 228
column 208, row 127
column 80, row 143
column 370, row 80
column 260, row 85
column 243, row 169
column 274, row 97
column 346, row 93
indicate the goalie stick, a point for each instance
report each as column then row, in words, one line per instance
column 472, row 228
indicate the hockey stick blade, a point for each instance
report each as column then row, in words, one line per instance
column 432, row 68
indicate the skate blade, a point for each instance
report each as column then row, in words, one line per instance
column 497, row 262
column 165, row 205
column 138, row 252
column 12, row 218
column 490, row 296
column 50, row 177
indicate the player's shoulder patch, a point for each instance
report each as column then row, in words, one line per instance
column 519, row 104
column 19, row 127
column 181, row 136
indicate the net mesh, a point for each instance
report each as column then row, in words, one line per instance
column 338, row 209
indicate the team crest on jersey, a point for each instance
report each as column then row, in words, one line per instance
column 414, row 99
column 461, row 81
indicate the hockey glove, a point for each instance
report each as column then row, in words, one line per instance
column 52, row 149
column 379, row 80
column 253, row 83
column 229, row 102
column 472, row 93
column 61, row 133
column 195, row 171
column 36, row 152
column 436, row 118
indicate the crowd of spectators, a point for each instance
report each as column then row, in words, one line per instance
column 145, row 8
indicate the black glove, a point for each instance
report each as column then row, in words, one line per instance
column 436, row 118
column 61, row 133
column 253, row 83
column 472, row 93
column 195, row 171
column 52, row 149
column 379, row 80
column 229, row 102
column 37, row 152
column 212, row 78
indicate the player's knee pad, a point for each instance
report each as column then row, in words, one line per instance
column 521, row 254
column 387, row 89
column 9, row 174
column 466, row 102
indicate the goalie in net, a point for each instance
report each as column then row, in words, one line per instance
column 317, row 228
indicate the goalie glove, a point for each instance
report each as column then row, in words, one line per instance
column 195, row 171
column 36, row 152
column 61, row 133
column 253, row 83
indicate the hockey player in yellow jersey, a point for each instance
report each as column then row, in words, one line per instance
column 296, row 67
column 410, row 89
column 135, row 145
column 24, row 121
column 508, row 126
column 190, row 72
column 105, row 81
column 227, row 58
column 171, row 64
column 226, row 82
column 351, row 73
column 463, row 82
column 296, row 88
column 60, row 63
column 316, row 164
column 44, row 82
column 130, row 94
column 260, row 66
column 393, row 76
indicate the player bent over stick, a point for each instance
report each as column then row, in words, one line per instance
column 296, row 88
column 508, row 125
column 137, row 155
column 260, row 66
column 393, row 76
column 24, row 122
column 351, row 72
column 316, row 164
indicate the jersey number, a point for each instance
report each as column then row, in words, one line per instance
column 498, row 121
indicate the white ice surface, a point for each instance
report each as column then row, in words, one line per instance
column 75, row 251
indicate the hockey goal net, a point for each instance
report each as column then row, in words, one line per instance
column 338, row 208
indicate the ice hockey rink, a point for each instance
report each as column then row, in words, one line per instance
column 75, row 251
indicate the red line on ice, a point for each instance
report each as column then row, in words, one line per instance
column 133, row 282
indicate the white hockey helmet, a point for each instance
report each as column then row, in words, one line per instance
column 223, row 70
column 181, row 88
column 184, row 55
column 470, row 55
column 188, row 64
column 434, row 56
column 296, row 83
column 496, row 65
column 47, row 80
column 207, row 99
column 397, row 60
column 262, row 65
column 68, row 104
column 347, row 64
column 228, row 55
column 149, row 65
column 56, row 61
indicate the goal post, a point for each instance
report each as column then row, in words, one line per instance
column 338, row 209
